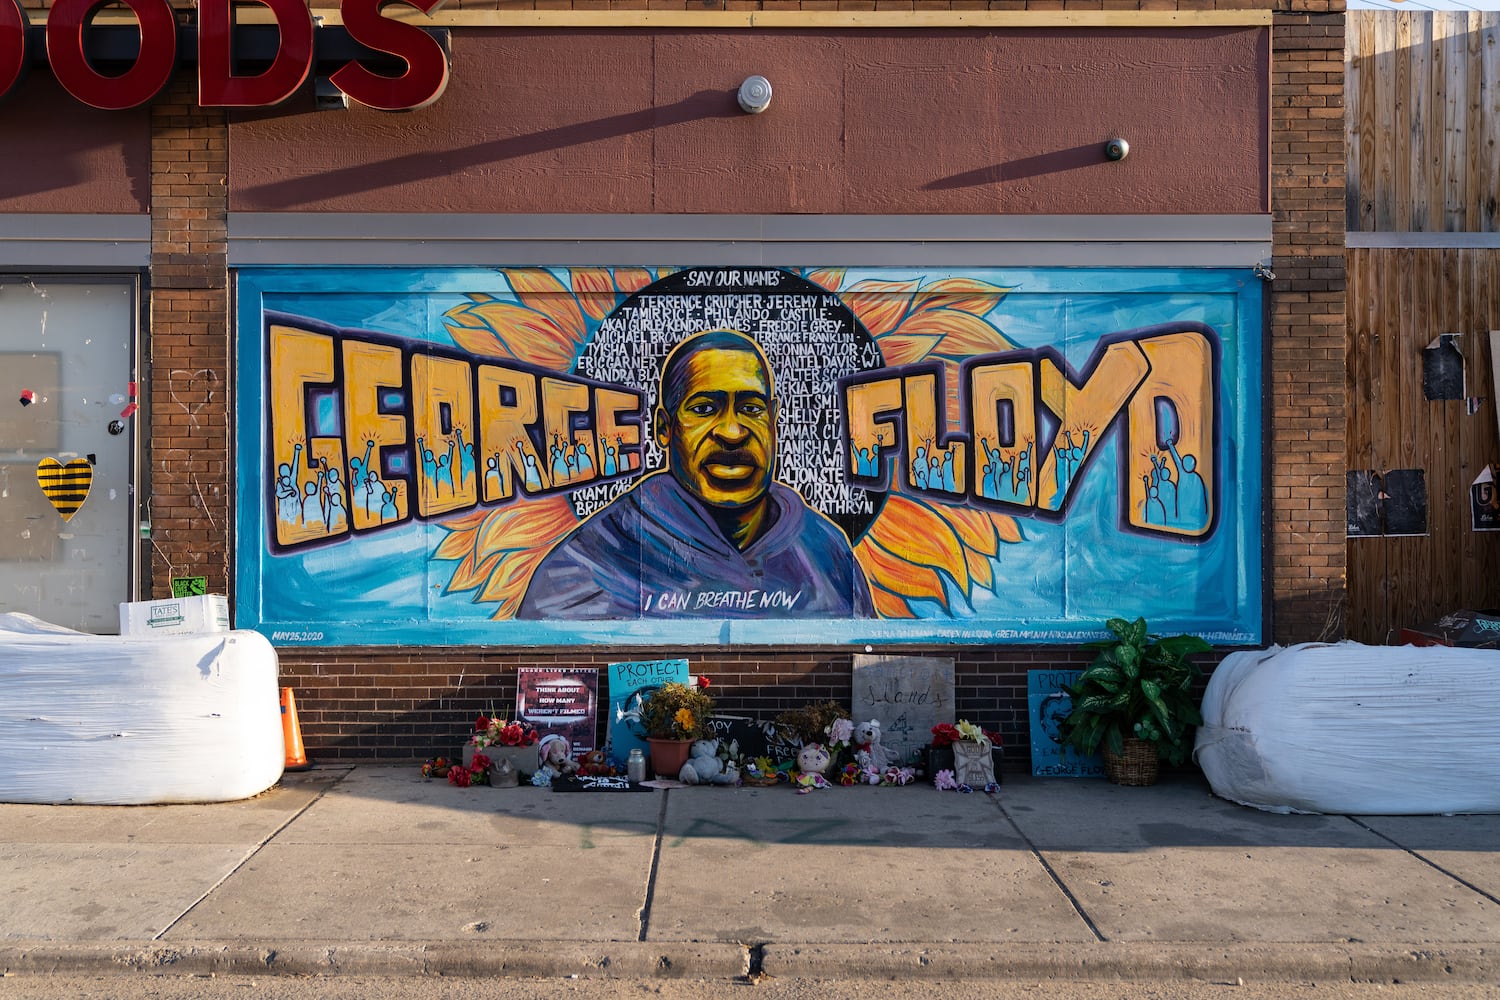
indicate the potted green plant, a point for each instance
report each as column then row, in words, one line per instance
column 1135, row 702
column 673, row 716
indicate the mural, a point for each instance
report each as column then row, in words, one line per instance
column 758, row 455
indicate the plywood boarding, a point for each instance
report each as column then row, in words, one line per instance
column 1400, row 300
column 1422, row 95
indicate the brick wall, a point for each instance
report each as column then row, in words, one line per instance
column 358, row 703
column 1305, row 433
column 187, row 344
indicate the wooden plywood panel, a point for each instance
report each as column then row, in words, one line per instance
column 1422, row 95
column 1400, row 300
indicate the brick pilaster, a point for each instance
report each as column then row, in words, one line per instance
column 1305, row 430
column 187, row 343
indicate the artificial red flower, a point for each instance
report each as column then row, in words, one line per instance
column 481, row 724
column 459, row 776
column 480, row 764
column 945, row 734
column 703, row 681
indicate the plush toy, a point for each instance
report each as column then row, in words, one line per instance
column 813, row 758
column 868, row 752
column 705, row 767
column 554, row 758
column 595, row 765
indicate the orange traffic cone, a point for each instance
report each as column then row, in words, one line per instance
column 291, row 733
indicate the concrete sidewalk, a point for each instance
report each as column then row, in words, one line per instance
column 374, row 870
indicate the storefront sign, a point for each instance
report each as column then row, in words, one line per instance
column 421, row 83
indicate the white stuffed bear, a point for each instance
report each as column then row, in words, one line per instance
column 868, row 753
column 704, row 766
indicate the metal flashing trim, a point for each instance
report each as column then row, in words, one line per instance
column 30, row 242
column 262, row 238
column 1422, row 241
column 779, row 19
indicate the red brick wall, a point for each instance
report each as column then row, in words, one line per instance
column 1305, row 433
column 187, row 345
column 406, row 704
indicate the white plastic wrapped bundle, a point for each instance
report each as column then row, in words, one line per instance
column 115, row 720
column 1348, row 728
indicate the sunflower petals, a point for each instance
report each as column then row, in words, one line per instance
column 961, row 334
column 888, row 605
column 899, row 575
column 829, row 277
column 539, row 289
column 508, row 581
column 594, row 287
column 471, row 572
column 879, row 304
column 920, row 535
column 898, row 349
column 526, row 526
column 631, row 279
column 968, row 294
column 517, row 332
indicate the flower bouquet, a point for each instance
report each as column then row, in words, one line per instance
column 963, row 755
column 498, row 740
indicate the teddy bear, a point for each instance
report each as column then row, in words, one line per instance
column 595, row 764
column 705, row 767
column 868, row 752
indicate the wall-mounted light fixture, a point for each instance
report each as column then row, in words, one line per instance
column 755, row 95
column 1116, row 150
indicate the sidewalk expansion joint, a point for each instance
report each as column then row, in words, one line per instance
column 252, row 852
column 661, row 826
column 1052, row 874
column 1427, row 861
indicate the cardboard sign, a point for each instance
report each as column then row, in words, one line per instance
column 629, row 683
column 1048, row 704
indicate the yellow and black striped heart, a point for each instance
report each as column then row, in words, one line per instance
column 67, row 486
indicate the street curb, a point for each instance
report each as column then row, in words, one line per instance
column 1102, row 961
column 551, row 959
column 1142, row 961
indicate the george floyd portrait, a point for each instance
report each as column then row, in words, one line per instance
column 713, row 534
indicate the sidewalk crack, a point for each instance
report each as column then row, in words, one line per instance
column 252, row 852
column 1052, row 874
column 1426, row 860
column 661, row 826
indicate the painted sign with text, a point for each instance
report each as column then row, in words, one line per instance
column 757, row 455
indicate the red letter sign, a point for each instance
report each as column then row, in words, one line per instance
column 426, row 63
column 153, row 67
column 218, row 87
column 12, row 43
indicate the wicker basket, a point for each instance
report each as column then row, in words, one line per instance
column 1137, row 763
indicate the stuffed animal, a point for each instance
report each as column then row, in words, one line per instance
column 554, row 758
column 595, row 765
column 813, row 758
column 868, row 752
column 705, row 767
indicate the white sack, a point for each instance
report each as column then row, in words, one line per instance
column 114, row 720
column 1348, row 728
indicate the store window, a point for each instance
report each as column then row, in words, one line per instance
column 68, row 430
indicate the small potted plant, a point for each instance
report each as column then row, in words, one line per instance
column 673, row 716
column 1135, row 701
